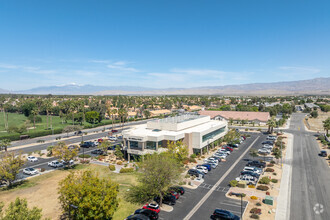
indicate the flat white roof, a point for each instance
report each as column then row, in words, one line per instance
column 143, row 131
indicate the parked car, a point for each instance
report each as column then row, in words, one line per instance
column 30, row 171
column 147, row 212
column 73, row 147
column 112, row 138
column 138, row 217
column 208, row 166
column 267, row 146
column 253, row 169
column 250, row 180
column 271, row 138
column 201, row 169
column 152, row 206
column 244, row 137
column 32, row 159
column 55, row 164
column 221, row 155
column 224, row 151
column 232, row 145
column 268, row 142
column 216, row 158
column 264, row 151
column 220, row 214
column 96, row 143
column 178, row 189
column 213, row 165
column 98, row 152
column 193, row 172
column 174, row 193
column 250, row 173
column 228, row 148
column 256, row 163
column 323, row 153
column 167, row 199
column 114, row 131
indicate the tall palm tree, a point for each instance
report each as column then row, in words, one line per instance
column 48, row 106
column 113, row 113
column 271, row 124
column 326, row 125
column 34, row 112
column 73, row 107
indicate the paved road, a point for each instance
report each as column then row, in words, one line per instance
column 217, row 199
column 310, row 175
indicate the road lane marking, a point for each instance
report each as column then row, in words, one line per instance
column 208, row 194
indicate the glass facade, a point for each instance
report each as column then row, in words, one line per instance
column 151, row 145
column 213, row 134
column 134, row 144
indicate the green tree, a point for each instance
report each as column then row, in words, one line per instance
column 19, row 210
column 95, row 198
column 92, row 117
column 326, row 125
column 158, row 173
column 63, row 152
column 4, row 144
column 34, row 112
column 10, row 164
column 104, row 145
column 118, row 153
column 178, row 150
column 314, row 114
column 146, row 113
column 71, row 128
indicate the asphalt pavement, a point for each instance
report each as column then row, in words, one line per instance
column 310, row 190
column 217, row 199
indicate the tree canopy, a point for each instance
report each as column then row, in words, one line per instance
column 93, row 197
column 10, row 164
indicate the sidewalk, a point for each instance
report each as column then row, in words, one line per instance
column 283, row 200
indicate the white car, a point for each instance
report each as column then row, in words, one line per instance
column 273, row 138
column 253, row 169
column 111, row 138
column 96, row 143
column 224, row 151
column 201, row 169
column 30, row 171
column 32, row 159
column 264, row 151
column 248, row 179
column 266, row 146
column 71, row 162
column 205, row 170
column 221, row 155
column 55, row 164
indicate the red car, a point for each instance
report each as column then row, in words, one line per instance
column 152, row 207
column 228, row 148
column 175, row 194
column 114, row 131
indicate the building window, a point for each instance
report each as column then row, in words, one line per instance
column 134, row 144
column 213, row 134
column 160, row 143
column 151, row 145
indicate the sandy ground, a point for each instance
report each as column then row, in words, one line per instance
column 43, row 194
column 316, row 124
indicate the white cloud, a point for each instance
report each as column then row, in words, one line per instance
column 121, row 65
column 300, row 70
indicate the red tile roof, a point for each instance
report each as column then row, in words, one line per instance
column 237, row 115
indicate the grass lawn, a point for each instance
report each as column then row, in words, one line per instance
column 41, row 191
column 16, row 119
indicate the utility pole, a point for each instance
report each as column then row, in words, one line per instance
column 241, row 206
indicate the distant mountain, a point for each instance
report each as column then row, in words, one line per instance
column 75, row 89
column 2, row 91
column 317, row 86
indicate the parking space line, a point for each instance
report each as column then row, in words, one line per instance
column 228, row 204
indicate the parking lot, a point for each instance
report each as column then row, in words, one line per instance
column 190, row 205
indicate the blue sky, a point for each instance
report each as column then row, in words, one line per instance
column 162, row 44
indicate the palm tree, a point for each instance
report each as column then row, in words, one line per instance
column 271, row 124
column 34, row 112
column 326, row 125
column 72, row 109
column 48, row 106
column 113, row 113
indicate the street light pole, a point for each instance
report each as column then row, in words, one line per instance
column 241, row 206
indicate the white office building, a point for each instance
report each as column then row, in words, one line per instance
column 197, row 132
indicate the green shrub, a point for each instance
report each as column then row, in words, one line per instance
column 126, row 170
column 258, row 204
column 112, row 167
column 119, row 162
column 233, row 183
column 193, row 156
column 255, row 211
column 270, row 165
column 84, row 156
column 254, row 216
column 264, row 180
column 274, row 174
column 262, row 188
column 274, row 180
column 272, row 162
column 241, row 184
column 246, row 129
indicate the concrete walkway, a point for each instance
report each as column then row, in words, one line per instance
column 284, row 198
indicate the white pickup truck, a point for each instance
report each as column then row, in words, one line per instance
column 55, row 163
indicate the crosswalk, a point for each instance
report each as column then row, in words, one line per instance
column 209, row 186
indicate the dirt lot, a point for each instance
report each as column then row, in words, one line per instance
column 316, row 124
column 41, row 191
